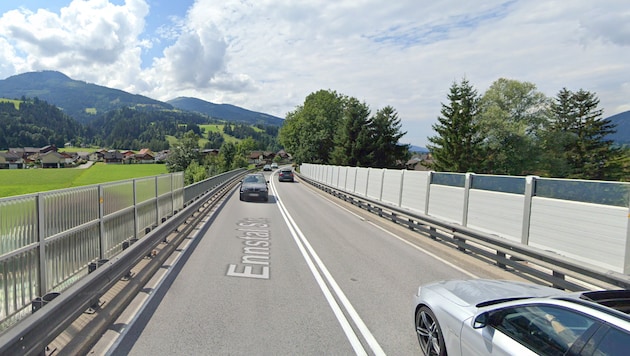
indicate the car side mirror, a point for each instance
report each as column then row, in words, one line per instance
column 481, row 320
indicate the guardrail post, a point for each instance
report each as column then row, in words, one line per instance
column 156, row 194
column 101, row 223
column 467, row 185
column 428, row 195
column 402, row 183
column 136, row 219
column 530, row 189
column 41, row 237
column 626, row 259
column 501, row 264
column 380, row 194
column 172, row 195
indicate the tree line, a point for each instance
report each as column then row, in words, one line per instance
column 514, row 129
column 332, row 128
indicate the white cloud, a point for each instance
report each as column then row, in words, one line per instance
column 268, row 55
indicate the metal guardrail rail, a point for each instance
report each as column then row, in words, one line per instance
column 543, row 265
column 33, row 334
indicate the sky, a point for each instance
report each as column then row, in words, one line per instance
column 269, row 55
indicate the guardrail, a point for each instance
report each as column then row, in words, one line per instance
column 547, row 265
column 51, row 240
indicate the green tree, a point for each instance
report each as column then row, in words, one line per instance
column 228, row 155
column 195, row 173
column 308, row 132
column 457, row 145
column 245, row 147
column 512, row 113
column 385, row 133
column 352, row 137
column 576, row 144
column 184, row 153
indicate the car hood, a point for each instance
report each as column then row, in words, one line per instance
column 472, row 292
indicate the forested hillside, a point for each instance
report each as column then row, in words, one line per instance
column 80, row 100
column 36, row 124
column 225, row 111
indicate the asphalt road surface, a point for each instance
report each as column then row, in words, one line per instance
column 303, row 274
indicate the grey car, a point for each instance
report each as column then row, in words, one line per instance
column 254, row 187
column 494, row 317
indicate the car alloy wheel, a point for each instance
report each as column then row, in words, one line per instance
column 429, row 333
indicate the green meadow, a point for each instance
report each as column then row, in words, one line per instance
column 25, row 181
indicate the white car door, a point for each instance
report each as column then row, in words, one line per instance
column 489, row 341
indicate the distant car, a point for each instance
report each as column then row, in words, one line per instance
column 254, row 187
column 267, row 167
column 274, row 165
column 285, row 175
column 489, row 317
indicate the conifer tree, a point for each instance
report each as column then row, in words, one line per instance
column 457, row 145
column 386, row 134
column 576, row 141
column 353, row 146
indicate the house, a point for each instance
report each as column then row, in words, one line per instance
column 48, row 148
column 283, row 154
column 97, row 156
column 127, row 153
column 113, row 157
column 24, row 152
column 83, row 156
column 261, row 157
column 144, row 156
column 210, row 152
column 161, row 156
column 419, row 162
column 52, row 159
column 9, row 160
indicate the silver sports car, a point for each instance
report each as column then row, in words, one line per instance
column 490, row 317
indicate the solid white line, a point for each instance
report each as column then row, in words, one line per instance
column 303, row 244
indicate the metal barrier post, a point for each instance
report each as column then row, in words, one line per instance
column 467, row 185
column 530, row 190
column 101, row 229
column 626, row 260
column 41, row 238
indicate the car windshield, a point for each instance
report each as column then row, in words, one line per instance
column 254, row 179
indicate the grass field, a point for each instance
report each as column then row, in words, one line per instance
column 25, row 181
column 16, row 103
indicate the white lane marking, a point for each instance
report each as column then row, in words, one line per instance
column 303, row 245
column 407, row 242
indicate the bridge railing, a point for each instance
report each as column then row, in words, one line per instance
column 587, row 221
column 50, row 240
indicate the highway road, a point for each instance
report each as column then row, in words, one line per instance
column 302, row 274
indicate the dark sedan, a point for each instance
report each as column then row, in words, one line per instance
column 285, row 175
column 254, row 187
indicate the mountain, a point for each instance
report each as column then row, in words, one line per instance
column 80, row 100
column 225, row 111
column 622, row 125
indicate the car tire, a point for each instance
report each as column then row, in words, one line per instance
column 240, row 196
column 429, row 333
